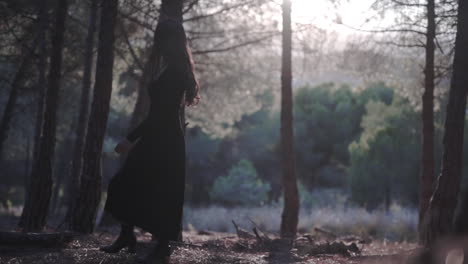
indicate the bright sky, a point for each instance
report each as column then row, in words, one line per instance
column 323, row 14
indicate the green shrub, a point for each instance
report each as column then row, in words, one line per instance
column 385, row 160
column 240, row 187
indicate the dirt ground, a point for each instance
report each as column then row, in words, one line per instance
column 216, row 248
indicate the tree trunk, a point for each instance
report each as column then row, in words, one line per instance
column 61, row 172
column 84, row 214
column 41, row 87
column 290, row 214
column 388, row 192
column 439, row 217
column 77, row 162
column 427, row 151
column 37, row 205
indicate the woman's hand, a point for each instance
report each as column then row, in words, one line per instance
column 123, row 146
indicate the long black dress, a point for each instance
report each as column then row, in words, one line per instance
column 148, row 191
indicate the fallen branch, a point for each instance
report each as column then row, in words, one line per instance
column 325, row 232
column 241, row 233
column 257, row 235
column 204, row 233
column 257, row 228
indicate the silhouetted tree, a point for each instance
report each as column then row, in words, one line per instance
column 439, row 217
column 84, row 215
column 77, row 162
column 433, row 14
column 427, row 146
column 36, row 206
column 290, row 215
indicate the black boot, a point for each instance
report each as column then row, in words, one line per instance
column 126, row 239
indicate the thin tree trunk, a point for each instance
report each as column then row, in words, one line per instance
column 27, row 162
column 388, row 192
column 427, row 151
column 84, row 214
column 439, row 217
column 77, row 162
column 36, row 207
column 60, row 175
column 290, row 214
column 41, row 87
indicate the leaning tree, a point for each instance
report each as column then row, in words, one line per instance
column 439, row 217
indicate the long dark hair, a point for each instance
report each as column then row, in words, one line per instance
column 173, row 47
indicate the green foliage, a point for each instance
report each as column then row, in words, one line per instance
column 203, row 165
column 376, row 92
column 240, row 187
column 257, row 140
column 305, row 197
column 327, row 120
column 385, row 159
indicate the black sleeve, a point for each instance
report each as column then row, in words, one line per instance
column 138, row 131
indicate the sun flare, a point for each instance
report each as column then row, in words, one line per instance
column 304, row 11
column 323, row 13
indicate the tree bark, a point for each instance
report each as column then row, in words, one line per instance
column 41, row 87
column 36, row 206
column 439, row 217
column 77, row 162
column 290, row 213
column 84, row 214
column 427, row 151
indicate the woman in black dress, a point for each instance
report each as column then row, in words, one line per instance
column 148, row 191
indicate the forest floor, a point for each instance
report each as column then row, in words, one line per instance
column 203, row 247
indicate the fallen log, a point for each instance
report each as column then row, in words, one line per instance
column 325, row 232
column 327, row 248
column 36, row 239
